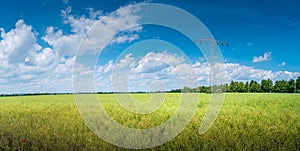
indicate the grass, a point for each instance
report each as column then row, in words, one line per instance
column 246, row 122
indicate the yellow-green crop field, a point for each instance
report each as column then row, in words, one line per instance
column 246, row 122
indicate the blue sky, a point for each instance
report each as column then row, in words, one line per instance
column 39, row 39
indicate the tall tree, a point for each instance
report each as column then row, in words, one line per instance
column 298, row 84
column 254, row 86
column 234, row 86
column 241, row 87
column 292, row 86
column 281, row 86
column 264, row 85
column 277, row 87
column 247, row 86
column 267, row 85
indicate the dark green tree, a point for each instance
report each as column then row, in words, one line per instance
column 254, row 86
column 277, row 86
column 231, row 86
column 234, row 86
column 292, row 86
column 247, row 86
column 298, row 84
column 203, row 89
column 281, row 86
column 267, row 85
column 241, row 87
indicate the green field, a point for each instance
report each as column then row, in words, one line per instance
column 246, row 122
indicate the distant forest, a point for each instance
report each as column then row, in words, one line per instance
column 265, row 86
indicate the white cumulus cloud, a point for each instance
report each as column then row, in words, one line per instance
column 267, row 57
column 172, row 71
column 26, row 66
column 17, row 44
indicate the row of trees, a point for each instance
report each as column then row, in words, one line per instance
column 31, row 94
column 281, row 86
column 266, row 85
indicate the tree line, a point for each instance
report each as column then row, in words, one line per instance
column 266, row 85
column 31, row 94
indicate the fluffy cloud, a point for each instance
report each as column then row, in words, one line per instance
column 17, row 44
column 44, row 58
column 22, row 59
column 153, row 62
column 25, row 66
column 267, row 57
column 172, row 72
column 129, row 74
